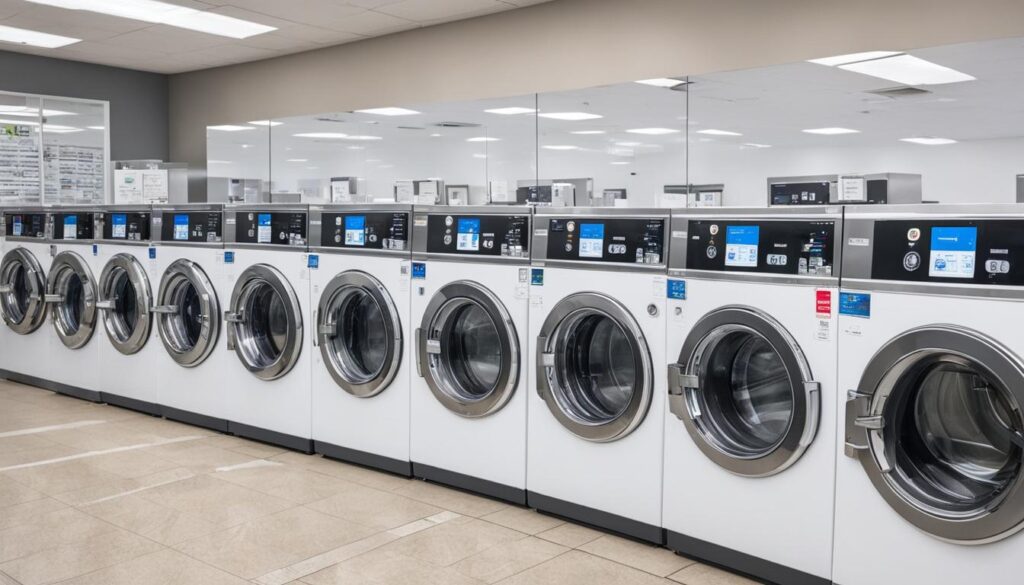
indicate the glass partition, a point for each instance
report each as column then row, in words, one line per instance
column 20, row 139
column 238, row 162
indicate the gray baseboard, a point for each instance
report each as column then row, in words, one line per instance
column 596, row 518
column 287, row 441
column 74, row 391
column 388, row 464
column 194, row 418
column 131, row 404
column 469, row 483
column 739, row 562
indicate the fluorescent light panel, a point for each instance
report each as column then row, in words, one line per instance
column 229, row 128
column 571, row 116
column 908, row 70
column 653, row 131
column 388, row 111
column 22, row 36
column 588, row 132
column 482, row 139
column 264, row 123
column 714, row 132
column 511, row 111
column 929, row 141
column 298, row 160
column 321, row 135
column 169, row 14
column 662, row 82
column 756, row 145
column 853, row 58
column 560, row 147
column 831, row 131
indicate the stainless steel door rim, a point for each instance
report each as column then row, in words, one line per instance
column 187, row 313
column 71, row 289
column 126, row 300
column 264, row 322
column 22, row 291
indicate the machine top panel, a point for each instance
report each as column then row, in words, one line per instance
column 126, row 224
column 73, row 224
column 622, row 237
column 25, row 224
column 284, row 226
column 189, row 225
column 356, row 228
column 480, row 232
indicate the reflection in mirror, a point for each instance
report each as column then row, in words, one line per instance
column 19, row 149
column 617, row 145
column 74, row 151
column 238, row 162
column 940, row 124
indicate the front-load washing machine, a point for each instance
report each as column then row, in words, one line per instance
column 470, row 277
column 268, row 386
column 359, row 294
column 23, row 336
column 72, row 291
column 191, row 286
column 125, row 290
column 596, row 375
column 930, row 461
column 750, row 429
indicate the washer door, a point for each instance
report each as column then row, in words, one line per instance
column 126, row 300
column 594, row 368
column 468, row 349
column 359, row 333
column 22, row 291
column 188, row 313
column 743, row 389
column 937, row 425
column 71, row 289
column 265, row 322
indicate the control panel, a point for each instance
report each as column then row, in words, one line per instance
column 129, row 226
column 607, row 240
column 25, row 225
column 796, row 247
column 812, row 193
column 205, row 227
column 77, row 225
column 479, row 235
column 955, row 251
column 278, row 228
column 365, row 230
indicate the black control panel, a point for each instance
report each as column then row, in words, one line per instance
column 949, row 251
column 806, row 248
column 129, row 226
column 365, row 231
column 814, row 193
column 25, row 225
column 280, row 228
column 192, row 226
column 607, row 240
column 73, row 225
column 479, row 235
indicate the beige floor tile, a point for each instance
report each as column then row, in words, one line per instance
column 50, row 530
column 579, row 568
column 132, row 464
column 13, row 492
column 165, row 567
column 449, row 543
column 256, row 548
column 78, row 558
column 123, row 486
column 102, row 437
column 28, row 512
column 295, row 484
column 523, row 519
column 450, row 499
column 570, row 535
column 24, row 442
column 700, row 574
column 218, row 502
column 6, row 579
column 646, row 557
column 199, row 456
column 354, row 473
column 375, row 508
column 49, row 453
column 152, row 519
column 59, row 478
column 246, row 447
column 384, row 567
column 507, row 559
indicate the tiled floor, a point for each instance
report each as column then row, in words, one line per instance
column 92, row 494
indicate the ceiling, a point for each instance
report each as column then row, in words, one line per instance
column 301, row 25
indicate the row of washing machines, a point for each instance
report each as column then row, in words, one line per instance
column 704, row 379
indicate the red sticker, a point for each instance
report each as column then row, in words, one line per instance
column 823, row 302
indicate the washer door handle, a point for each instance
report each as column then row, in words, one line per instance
column 54, row 298
column 5, row 288
column 678, row 383
column 165, row 309
column 109, row 305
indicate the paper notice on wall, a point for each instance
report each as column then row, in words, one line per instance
column 340, row 191
column 852, row 189
column 404, row 191
column 427, row 193
column 154, row 186
column 499, row 192
column 128, row 186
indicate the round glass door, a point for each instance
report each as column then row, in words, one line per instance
column 937, row 425
column 743, row 388
column 188, row 313
column 359, row 333
column 265, row 322
column 594, row 367
column 71, row 289
column 469, row 350
column 22, row 291
column 126, row 300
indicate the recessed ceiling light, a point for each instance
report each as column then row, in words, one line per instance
column 628, row 143
column 246, row 146
column 653, row 131
column 830, row 131
column 620, row 162
column 756, row 145
column 218, row 162
column 312, row 168
column 264, row 123
column 388, row 111
column 479, row 156
column 714, row 132
column 482, row 139
column 320, row 135
column 229, row 128
column 435, row 135
column 363, row 137
column 298, row 160
column 560, row 147
column 61, row 129
column 169, row 14
column 21, row 36
column 571, row 116
column 853, row 58
column 95, row 127
column 908, row 70
column 930, row 141
column 662, row 82
column 511, row 111
column 357, row 148
column 33, row 112
column 588, row 132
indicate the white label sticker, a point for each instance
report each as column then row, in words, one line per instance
column 679, row 234
column 540, row 233
column 859, row 241
column 522, row 291
column 419, row 221
column 824, row 331
column 852, row 329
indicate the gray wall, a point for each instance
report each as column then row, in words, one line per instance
column 138, row 100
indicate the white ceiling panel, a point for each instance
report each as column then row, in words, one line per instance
column 432, row 10
column 371, row 24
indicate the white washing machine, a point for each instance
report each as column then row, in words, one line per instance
column 359, row 294
column 268, row 387
column 750, row 429
column 930, row 469
column 470, row 277
column 597, row 359
column 191, row 286
column 24, row 336
column 72, row 291
column 125, row 291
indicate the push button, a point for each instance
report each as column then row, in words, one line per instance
column 997, row 266
column 912, row 261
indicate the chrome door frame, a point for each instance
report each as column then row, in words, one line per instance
column 236, row 319
column 337, row 290
column 685, row 386
column 130, row 267
column 182, row 272
column 442, row 306
column 64, row 264
column 550, row 354
column 35, row 314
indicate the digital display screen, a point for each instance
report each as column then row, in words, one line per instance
column 741, row 245
column 17, row 225
column 265, row 233
column 71, row 227
column 355, row 230
column 591, row 240
column 119, row 226
column 468, row 234
column 181, row 227
column 953, row 251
